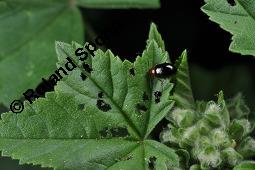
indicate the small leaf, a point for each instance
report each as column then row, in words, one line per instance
column 119, row 3
column 170, row 135
column 182, row 91
column 195, row 167
column 224, row 110
column 220, row 138
column 184, row 158
column 209, row 157
column 246, row 165
column 239, row 128
column 155, row 35
column 247, row 147
column 237, row 107
column 201, row 106
column 238, row 19
column 231, row 156
column 189, row 135
column 212, row 114
column 182, row 117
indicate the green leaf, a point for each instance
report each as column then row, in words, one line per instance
column 237, row 107
column 182, row 92
column 195, row 167
column 231, row 156
column 211, row 138
column 209, row 157
column 247, row 147
column 224, row 109
column 119, row 3
column 239, row 128
column 155, row 35
column 132, row 88
column 99, row 122
column 184, row 158
column 238, row 19
column 181, row 117
column 28, row 31
column 246, row 165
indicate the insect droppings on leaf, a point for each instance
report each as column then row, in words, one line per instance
column 125, row 158
column 157, row 95
column 141, row 107
column 83, row 76
column 132, row 71
column 151, row 163
column 145, row 96
column 101, row 105
column 100, row 95
column 114, row 132
column 87, row 67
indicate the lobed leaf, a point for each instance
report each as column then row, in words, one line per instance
column 29, row 29
column 238, row 19
column 97, row 118
column 182, row 91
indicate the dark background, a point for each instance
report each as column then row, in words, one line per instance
column 183, row 26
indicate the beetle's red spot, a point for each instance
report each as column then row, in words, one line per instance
column 152, row 72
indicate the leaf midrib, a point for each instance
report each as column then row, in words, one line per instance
column 248, row 12
column 123, row 113
column 151, row 95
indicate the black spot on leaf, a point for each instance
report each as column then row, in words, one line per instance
column 231, row 2
column 145, row 97
column 105, row 133
column 151, row 163
column 81, row 106
column 157, row 100
column 83, row 76
column 87, row 67
column 119, row 132
column 157, row 95
column 132, row 71
column 141, row 107
column 101, row 105
column 100, row 95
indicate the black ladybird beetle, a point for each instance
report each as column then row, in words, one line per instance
column 164, row 70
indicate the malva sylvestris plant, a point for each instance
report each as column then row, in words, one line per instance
column 104, row 121
column 68, row 130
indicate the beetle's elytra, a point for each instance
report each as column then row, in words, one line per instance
column 164, row 70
